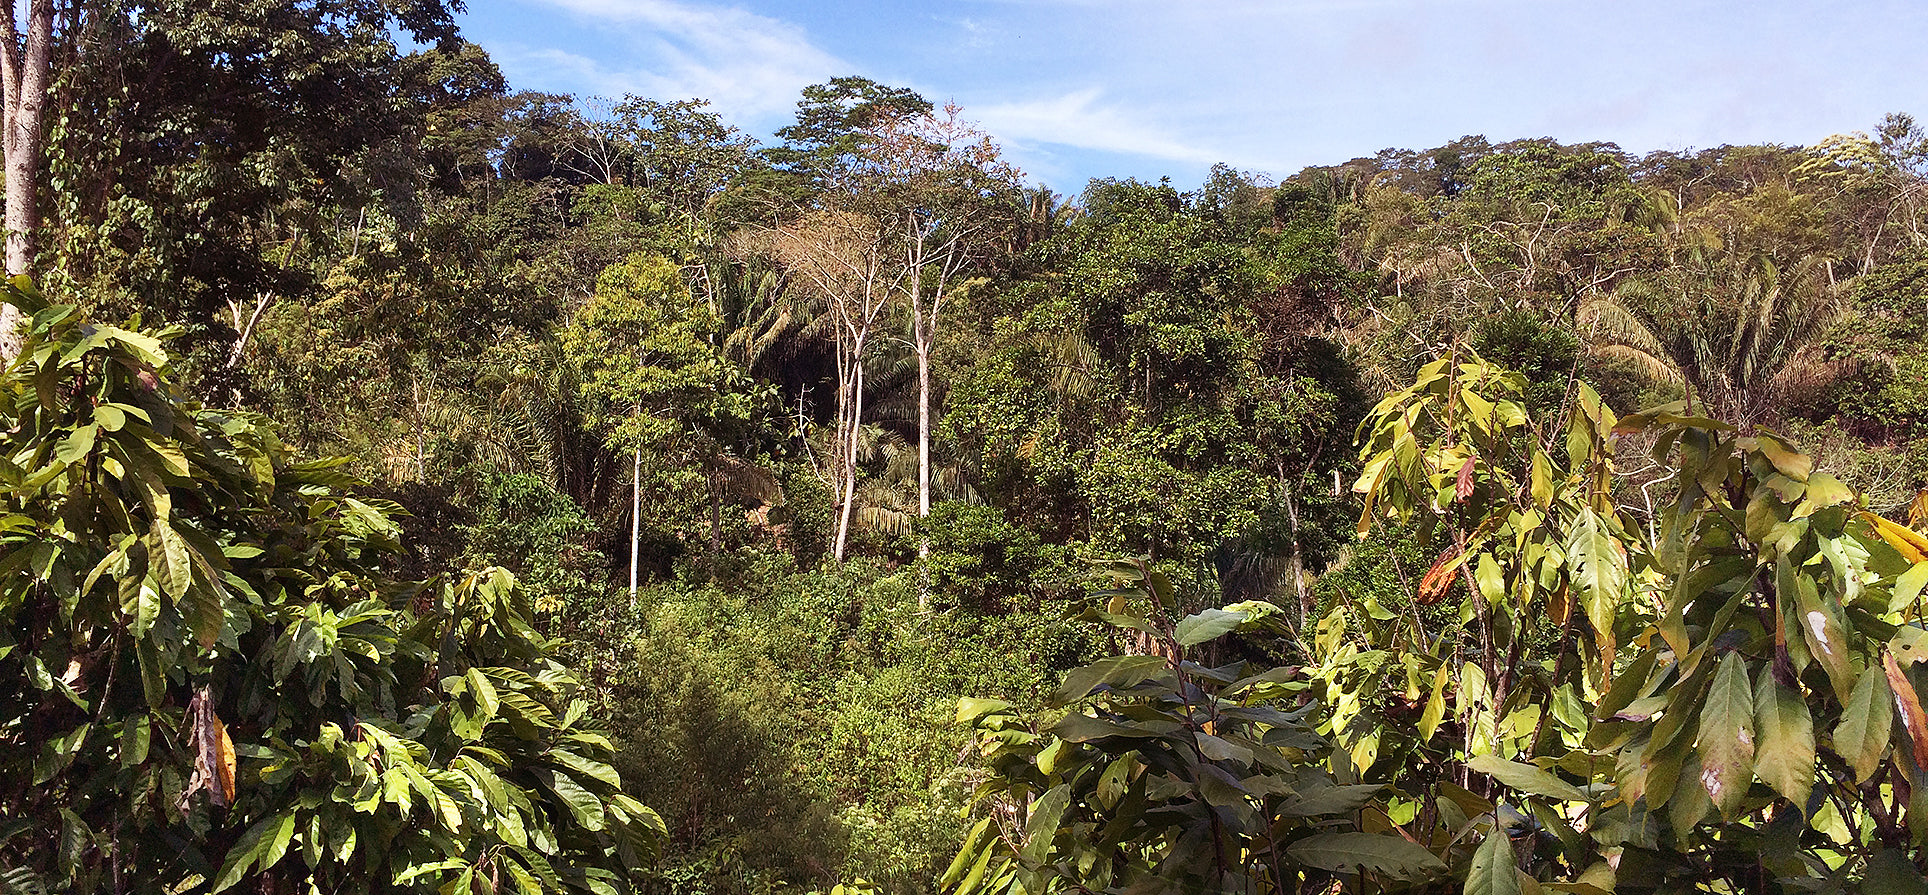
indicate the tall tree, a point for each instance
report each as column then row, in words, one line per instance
column 25, row 62
column 948, row 187
column 266, row 136
column 833, row 120
column 656, row 382
column 852, row 261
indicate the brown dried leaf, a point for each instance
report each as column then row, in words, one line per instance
column 1438, row 578
column 224, row 764
column 1908, row 704
column 213, row 752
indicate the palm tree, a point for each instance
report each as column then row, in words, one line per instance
column 1732, row 327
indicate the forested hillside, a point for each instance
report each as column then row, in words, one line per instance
column 407, row 479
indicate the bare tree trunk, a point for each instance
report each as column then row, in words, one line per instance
column 840, row 439
column 851, row 439
column 923, row 468
column 1297, row 570
column 845, row 257
column 24, row 71
column 922, row 333
column 635, row 520
column 944, row 261
column 924, row 437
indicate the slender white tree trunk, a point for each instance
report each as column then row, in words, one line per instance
column 922, row 333
column 924, row 436
column 923, row 469
column 635, row 520
column 24, row 73
column 840, row 441
column 851, row 439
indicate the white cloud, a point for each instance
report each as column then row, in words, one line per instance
column 746, row 64
column 1080, row 119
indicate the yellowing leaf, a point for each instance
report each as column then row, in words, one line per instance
column 1823, row 491
column 1909, row 542
column 1689, row 804
column 1823, row 632
column 1785, row 458
column 1909, row 645
column 1492, row 582
column 1435, row 710
column 1908, row 586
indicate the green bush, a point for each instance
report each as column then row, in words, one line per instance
column 209, row 673
column 796, row 727
column 523, row 524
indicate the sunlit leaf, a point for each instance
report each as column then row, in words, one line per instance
column 1726, row 744
column 1785, row 755
column 1526, row 778
column 1494, row 870
column 1867, row 720
column 1349, row 852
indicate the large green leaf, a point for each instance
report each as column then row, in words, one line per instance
column 1892, row 872
column 1330, row 800
column 1785, row 755
column 1209, row 624
column 583, row 804
column 259, row 847
column 1526, row 778
column 974, row 842
column 1867, row 721
column 1494, row 870
column 1597, row 567
column 586, row 768
column 1047, row 813
column 167, row 556
column 1085, row 728
column 1726, row 741
column 1118, row 671
column 1389, row 856
column 971, row 708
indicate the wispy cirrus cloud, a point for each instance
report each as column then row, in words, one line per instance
column 749, row 64
column 1085, row 120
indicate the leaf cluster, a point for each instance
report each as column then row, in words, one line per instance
column 208, row 674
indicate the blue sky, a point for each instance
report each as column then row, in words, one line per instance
column 1075, row 89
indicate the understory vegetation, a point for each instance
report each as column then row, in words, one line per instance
column 408, row 483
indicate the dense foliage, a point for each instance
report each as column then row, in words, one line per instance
column 210, row 676
column 1468, row 537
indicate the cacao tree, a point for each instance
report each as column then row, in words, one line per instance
column 1165, row 774
column 208, row 675
column 1693, row 670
